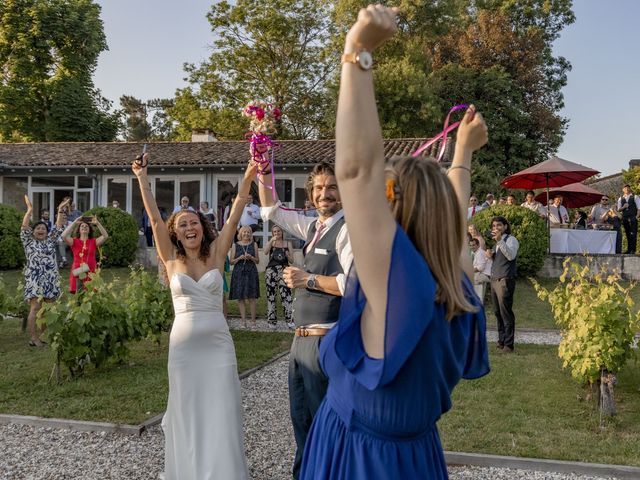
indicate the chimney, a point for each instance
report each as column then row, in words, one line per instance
column 202, row 135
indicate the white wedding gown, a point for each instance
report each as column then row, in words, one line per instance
column 203, row 421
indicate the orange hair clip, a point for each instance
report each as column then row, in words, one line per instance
column 391, row 189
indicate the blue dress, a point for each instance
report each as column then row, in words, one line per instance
column 378, row 419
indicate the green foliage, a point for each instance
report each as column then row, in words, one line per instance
column 527, row 227
column 94, row 326
column 632, row 177
column 148, row 305
column 11, row 302
column 120, row 249
column 274, row 50
column 11, row 250
column 87, row 328
column 48, row 52
column 136, row 127
column 594, row 312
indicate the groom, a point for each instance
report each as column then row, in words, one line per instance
column 320, row 284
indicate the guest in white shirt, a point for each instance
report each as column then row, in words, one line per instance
column 558, row 215
column 250, row 215
column 481, row 268
column 320, row 285
column 473, row 207
column 600, row 212
column 184, row 205
column 489, row 201
column 533, row 205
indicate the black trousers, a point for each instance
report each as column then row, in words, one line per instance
column 630, row 225
column 307, row 388
column 502, row 298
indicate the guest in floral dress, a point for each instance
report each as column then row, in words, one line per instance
column 79, row 236
column 280, row 255
column 41, row 278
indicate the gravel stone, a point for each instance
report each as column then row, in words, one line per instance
column 36, row 453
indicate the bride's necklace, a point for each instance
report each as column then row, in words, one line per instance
column 245, row 250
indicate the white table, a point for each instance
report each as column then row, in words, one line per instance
column 564, row 240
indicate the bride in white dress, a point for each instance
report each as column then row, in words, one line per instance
column 203, row 421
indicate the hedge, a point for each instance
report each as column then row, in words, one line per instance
column 527, row 227
column 120, row 249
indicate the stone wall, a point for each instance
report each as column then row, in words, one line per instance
column 628, row 265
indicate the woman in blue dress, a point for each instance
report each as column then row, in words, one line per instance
column 41, row 277
column 410, row 324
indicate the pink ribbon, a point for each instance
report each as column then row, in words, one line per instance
column 264, row 161
column 442, row 135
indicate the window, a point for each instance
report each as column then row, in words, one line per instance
column 165, row 195
column 13, row 190
column 191, row 189
column 283, row 188
column 117, row 190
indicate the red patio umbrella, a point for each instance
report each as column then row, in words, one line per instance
column 554, row 172
column 576, row 195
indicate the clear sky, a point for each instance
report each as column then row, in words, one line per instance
column 149, row 40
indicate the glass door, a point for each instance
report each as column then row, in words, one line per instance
column 42, row 201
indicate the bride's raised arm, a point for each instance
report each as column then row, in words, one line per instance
column 166, row 251
column 225, row 239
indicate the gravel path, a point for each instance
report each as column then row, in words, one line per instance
column 44, row 453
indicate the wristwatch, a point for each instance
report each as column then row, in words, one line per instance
column 362, row 58
column 311, row 282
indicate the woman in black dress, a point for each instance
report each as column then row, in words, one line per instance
column 245, row 285
column 280, row 254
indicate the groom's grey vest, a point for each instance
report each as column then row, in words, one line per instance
column 313, row 306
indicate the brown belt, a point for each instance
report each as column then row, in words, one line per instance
column 311, row 332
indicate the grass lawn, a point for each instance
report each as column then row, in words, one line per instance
column 128, row 393
column 530, row 311
column 528, row 406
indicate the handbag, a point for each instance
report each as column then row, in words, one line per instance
column 83, row 268
column 279, row 256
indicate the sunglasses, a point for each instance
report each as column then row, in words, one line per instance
column 604, row 199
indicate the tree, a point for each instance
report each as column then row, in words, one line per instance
column 273, row 50
column 136, row 126
column 517, row 37
column 48, row 52
column 494, row 53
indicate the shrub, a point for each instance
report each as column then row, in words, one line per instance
column 120, row 249
column 94, row 326
column 527, row 227
column 594, row 312
column 11, row 251
column 149, row 307
column 11, row 301
column 88, row 327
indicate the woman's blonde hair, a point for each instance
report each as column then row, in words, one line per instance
column 241, row 230
column 427, row 208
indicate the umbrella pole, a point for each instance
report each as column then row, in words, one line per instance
column 548, row 220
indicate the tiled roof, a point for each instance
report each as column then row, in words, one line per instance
column 169, row 154
column 609, row 185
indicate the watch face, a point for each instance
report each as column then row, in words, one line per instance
column 365, row 60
